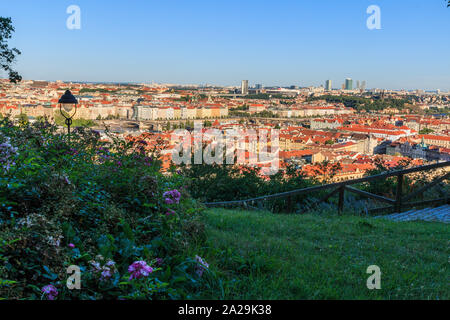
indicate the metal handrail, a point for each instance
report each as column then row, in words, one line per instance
column 343, row 186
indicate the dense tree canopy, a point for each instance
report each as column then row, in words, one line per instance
column 8, row 55
column 365, row 103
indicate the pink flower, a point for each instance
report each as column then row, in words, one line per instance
column 170, row 212
column 71, row 245
column 159, row 261
column 139, row 269
column 50, row 291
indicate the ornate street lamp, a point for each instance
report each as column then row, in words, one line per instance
column 68, row 102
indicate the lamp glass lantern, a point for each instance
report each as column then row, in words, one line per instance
column 69, row 103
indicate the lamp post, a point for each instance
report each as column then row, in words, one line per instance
column 68, row 102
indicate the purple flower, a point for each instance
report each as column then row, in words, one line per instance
column 66, row 180
column 95, row 266
column 201, row 267
column 147, row 161
column 170, row 212
column 159, row 261
column 110, row 263
column 50, row 291
column 139, row 269
column 106, row 274
column 8, row 154
column 73, row 151
column 199, row 271
column 106, row 270
column 171, row 197
column 71, row 245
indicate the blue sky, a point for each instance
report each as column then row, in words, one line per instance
column 297, row 42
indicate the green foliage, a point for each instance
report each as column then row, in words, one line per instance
column 362, row 103
column 60, row 121
column 386, row 187
column 7, row 55
column 435, row 110
column 244, row 107
column 266, row 114
column 262, row 114
column 213, row 183
column 426, row 131
column 23, row 119
column 105, row 198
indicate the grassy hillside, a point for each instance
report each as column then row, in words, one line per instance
column 266, row 256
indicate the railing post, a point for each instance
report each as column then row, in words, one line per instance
column 260, row 205
column 341, row 199
column 398, row 194
column 289, row 204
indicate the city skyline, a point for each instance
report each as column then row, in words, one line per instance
column 239, row 86
column 154, row 42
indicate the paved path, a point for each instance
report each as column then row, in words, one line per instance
column 439, row 214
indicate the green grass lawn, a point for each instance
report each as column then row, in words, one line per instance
column 260, row 255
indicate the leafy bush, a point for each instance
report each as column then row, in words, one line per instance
column 213, row 183
column 365, row 103
column 102, row 206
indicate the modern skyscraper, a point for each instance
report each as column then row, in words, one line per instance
column 244, row 87
column 348, row 84
column 258, row 86
column 363, row 86
column 328, row 85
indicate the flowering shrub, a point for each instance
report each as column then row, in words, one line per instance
column 102, row 206
column 104, row 271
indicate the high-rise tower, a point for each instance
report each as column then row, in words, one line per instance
column 244, row 87
column 348, row 84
